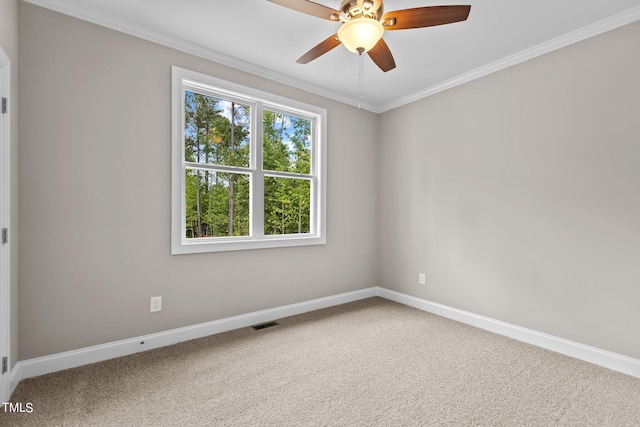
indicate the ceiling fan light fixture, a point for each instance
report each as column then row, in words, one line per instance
column 360, row 35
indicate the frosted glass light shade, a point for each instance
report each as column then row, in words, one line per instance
column 360, row 33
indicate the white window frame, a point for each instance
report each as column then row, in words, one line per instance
column 182, row 80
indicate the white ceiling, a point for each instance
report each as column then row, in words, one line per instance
column 266, row 39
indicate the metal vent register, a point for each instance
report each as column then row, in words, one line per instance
column 265, row 325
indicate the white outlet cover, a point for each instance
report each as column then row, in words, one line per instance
column 156, row 304
column 422, row 278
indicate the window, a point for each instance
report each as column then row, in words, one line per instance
column 248, row 168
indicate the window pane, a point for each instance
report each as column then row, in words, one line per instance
column 287, row 143
column 216, row 131
column 287, row 205
column 217, row 204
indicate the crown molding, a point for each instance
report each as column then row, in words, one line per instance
column 113, row 23
column 87, row 14
column 576, row 36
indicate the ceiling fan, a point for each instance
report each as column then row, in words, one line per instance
column 364, row 23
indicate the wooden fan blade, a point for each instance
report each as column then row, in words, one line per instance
column 381, row 55
column 319, row 50
column 428, row 16
column 310, row 8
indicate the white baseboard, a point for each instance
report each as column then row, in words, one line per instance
column 14, row 378
column 607, row 359
column 71, row 359
column 74, row 358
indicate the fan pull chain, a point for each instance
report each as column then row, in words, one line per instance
column 361, row 82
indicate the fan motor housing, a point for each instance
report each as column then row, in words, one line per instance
column 351, row 9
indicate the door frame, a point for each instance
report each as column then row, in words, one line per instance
column 5, row 216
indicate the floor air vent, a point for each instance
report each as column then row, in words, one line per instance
column 265, row 325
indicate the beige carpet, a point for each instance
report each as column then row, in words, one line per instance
column 369, row 363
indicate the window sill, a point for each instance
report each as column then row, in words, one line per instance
column 223, row 244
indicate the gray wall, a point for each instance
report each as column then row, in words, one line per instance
column 518, row 194
column 95, row 197
column 9, row 42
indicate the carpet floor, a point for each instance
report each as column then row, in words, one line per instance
column 367, row 363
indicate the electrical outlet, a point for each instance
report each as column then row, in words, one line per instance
column 156, row 304
column 422, row 279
